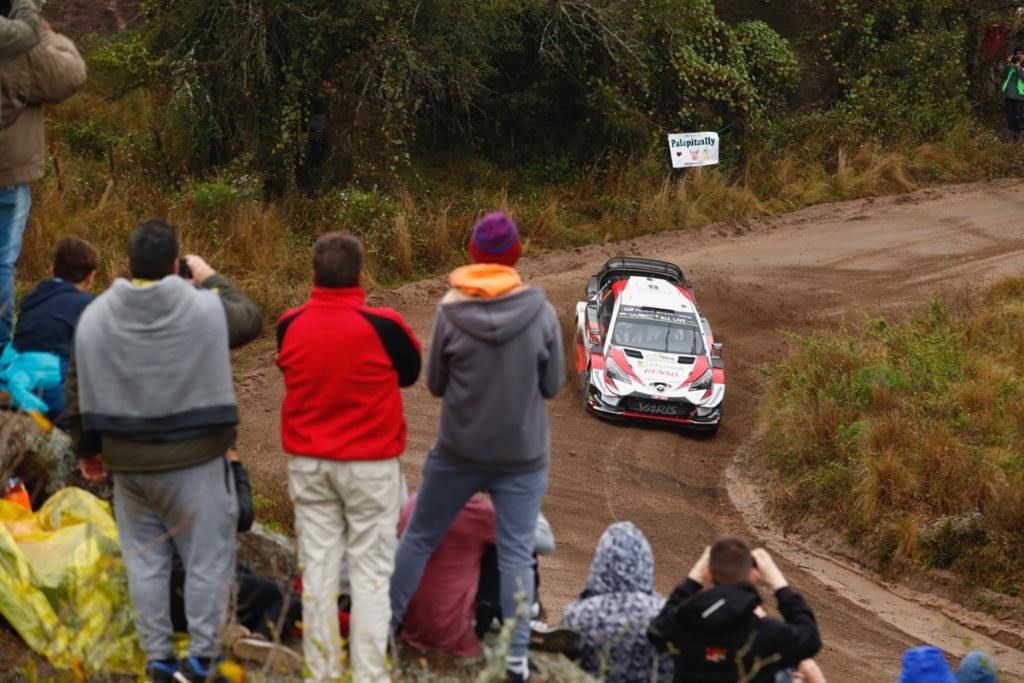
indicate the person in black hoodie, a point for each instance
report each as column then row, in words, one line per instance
column 49, row 315
column 714, row 626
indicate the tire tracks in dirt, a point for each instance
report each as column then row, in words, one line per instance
column 797, row 272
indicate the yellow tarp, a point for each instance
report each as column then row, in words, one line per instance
column 63, row 586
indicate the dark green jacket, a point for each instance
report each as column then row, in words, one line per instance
column 1013, row 86
column 244, row 323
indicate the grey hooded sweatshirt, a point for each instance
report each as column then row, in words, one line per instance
column 493, row 362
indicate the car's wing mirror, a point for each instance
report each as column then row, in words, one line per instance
column 593, row 286
column 716, row 355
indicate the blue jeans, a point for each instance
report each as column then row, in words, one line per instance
column 444, row 491
column 15, row 201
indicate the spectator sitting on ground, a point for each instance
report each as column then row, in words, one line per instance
column 48, row 73
column 490, row 333
column 440, row 616
column 614, row 612
column 488, row 595
column 714, row 615
column 150, row 397
column 264, row 612
column 925, row 664
column 36, row 361
column 343, row 426
column 977, row 667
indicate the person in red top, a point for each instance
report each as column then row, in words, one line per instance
column 440, row 615
column 342, row 423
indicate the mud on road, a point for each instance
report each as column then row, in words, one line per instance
column 753, row 280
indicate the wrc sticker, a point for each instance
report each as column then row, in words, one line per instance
column 715, row 655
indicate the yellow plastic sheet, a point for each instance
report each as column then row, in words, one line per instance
column 63, row 586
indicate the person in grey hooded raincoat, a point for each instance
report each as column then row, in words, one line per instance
column 614, row 612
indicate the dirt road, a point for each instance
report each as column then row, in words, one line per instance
column 753, row 279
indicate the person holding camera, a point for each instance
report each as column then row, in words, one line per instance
column 715, row 628
column 150, row 388
column 1013, row 93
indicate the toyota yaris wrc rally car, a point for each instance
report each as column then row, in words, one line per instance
column 643, row 351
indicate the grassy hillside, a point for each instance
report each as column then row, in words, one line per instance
column 403, row 125
column 907, row 437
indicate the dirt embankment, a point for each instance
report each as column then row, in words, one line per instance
column 754, row 279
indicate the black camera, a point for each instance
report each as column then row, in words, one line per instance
column 183, row 270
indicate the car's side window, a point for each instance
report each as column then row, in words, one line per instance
column 604, row 314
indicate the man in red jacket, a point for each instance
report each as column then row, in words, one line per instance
column 342, row 423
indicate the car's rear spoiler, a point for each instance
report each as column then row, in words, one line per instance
column 623, row 266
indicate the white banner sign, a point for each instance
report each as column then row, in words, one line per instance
column 693, row 149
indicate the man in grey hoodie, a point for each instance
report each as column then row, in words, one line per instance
column 150, row 398
column 495, row 356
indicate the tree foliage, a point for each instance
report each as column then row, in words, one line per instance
column 899, row 67
column 515, row 79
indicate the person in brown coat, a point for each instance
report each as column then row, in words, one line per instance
column 49, row 73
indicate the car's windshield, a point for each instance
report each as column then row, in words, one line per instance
column 650, row 335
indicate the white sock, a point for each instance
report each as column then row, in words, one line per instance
column 519, row 666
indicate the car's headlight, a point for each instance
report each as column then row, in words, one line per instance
column 702, row 384
column 613, row 372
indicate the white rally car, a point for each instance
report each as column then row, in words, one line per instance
column 643, row 351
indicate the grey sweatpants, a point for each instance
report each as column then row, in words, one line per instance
column 193, row 510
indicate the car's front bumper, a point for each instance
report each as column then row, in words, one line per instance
column 642, row 408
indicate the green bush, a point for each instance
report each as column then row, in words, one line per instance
column 898, row 68
column 88, row 137
column 121, row 64
column 771, row 63
column 521, row 80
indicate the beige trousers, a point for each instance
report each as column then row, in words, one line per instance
column 345, row 509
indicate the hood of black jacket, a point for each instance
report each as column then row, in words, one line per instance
column 719, row 607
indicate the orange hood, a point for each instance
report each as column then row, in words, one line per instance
column 485, row 280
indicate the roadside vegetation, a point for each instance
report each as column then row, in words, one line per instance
column 256, row 126
column 907, row 437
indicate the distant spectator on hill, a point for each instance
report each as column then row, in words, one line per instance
column 614, row 612
column 495, row 357
column 1013, row 94
column 49, row 73
column 342, row 423
column 34, row 365
column 714, row 616
column 20, row 27
column 151, row 389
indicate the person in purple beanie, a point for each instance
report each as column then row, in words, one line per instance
column 495, row 356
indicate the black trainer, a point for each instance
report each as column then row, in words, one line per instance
column 161, row 670
column 198, row 670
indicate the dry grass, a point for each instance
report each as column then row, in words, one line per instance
column 907, row 437
column 113, row 164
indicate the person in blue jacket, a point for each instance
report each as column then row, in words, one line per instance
column 35, row 363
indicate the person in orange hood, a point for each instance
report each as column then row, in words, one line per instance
column 494, row 357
